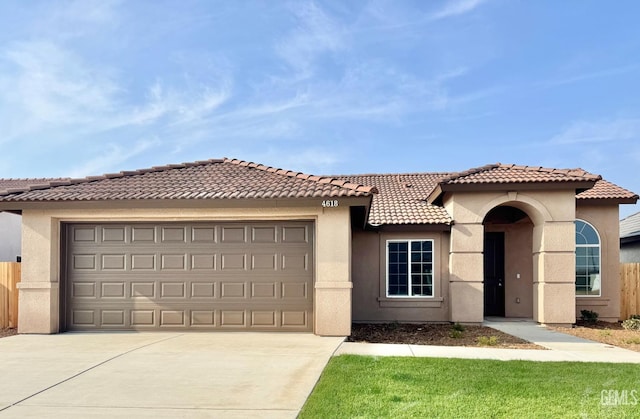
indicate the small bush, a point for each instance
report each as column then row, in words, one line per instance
column 631, row 324
column 456, row 334
column 588, row 316
column 635, row 316
column 458, row 327
column 487, row 340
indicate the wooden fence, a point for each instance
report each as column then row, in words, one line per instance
column 9, row 277
column 630, row 291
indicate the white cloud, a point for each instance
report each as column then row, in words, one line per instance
column 315, row 34
column 608, row 72
column 75, row 19
column 455, row 8
column 578, row 132
column 51, row 84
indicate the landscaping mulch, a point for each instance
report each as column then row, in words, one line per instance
column 435, row 334
column 4, row 332
column 605, row 332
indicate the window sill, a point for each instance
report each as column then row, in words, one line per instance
column 408, row 302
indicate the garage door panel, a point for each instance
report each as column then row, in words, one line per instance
column 173, row 261
column 113, row 290
column 233, row 234
column 231, row 276
column 84, row 234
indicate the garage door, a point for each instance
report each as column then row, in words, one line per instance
column 196, row 276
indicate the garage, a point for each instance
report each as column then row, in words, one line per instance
column 188, row 276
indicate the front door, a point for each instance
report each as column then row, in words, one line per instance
column 494, row 274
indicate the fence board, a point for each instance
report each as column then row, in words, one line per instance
column 9, row 277
column 630, row 289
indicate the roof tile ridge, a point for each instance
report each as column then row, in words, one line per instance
column 392, row 174
column 27, row 179
column 567, row 172
column 587, row 174
column 55, row 182
column 473, row 171
column 304, row 176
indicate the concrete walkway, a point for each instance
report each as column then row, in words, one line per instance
column 160, row 375
column 562, row 347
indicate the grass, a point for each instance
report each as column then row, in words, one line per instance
column 375, row 387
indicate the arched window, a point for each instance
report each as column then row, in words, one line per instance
column 587, row 260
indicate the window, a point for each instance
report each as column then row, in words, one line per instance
column 410, row 268
column 587, row 260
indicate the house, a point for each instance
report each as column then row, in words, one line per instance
column 10, row 223
column 232, row 245
column 630, row 239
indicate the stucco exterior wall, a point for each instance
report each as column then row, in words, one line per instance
column 370, row 303
column 553, row 250
column 10, row 236
column 604, row 218
column 40, row 291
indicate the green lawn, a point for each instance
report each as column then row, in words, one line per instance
column 372, row 387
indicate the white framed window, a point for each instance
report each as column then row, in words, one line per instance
column 410, row 268
column 588, row 280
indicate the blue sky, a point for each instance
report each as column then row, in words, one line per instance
column 89, row 87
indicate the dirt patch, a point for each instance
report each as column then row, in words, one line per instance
column 436, row 334
column 609, row 333
column 7, row 332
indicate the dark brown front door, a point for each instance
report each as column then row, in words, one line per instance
column 494, row 274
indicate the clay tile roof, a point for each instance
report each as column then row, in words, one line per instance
column 401, row 198
column 7, row 185
column 510, row 173
column 607, row 190
column 210, row 179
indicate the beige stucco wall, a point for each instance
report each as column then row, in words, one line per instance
column 553, row 250
column 604, row 218
column 370, row 303
column 41, row 251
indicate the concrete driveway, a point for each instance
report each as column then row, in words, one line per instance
column 172, row 375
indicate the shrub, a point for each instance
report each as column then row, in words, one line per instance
column 635, row 316
column 458, row 327
column 456, row 334
column 487, row 340
column 631, row 324
column 588, row 316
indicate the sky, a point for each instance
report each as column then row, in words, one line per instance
column 324, row 87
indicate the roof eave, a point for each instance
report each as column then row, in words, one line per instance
column 608, row 201
column 510, row 186
column 411, row 227
column 361, row 200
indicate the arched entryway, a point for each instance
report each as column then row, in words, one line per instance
column 508, row 263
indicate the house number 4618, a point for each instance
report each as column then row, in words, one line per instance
column 330, row 203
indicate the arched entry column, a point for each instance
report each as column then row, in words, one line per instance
column 553, row 257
